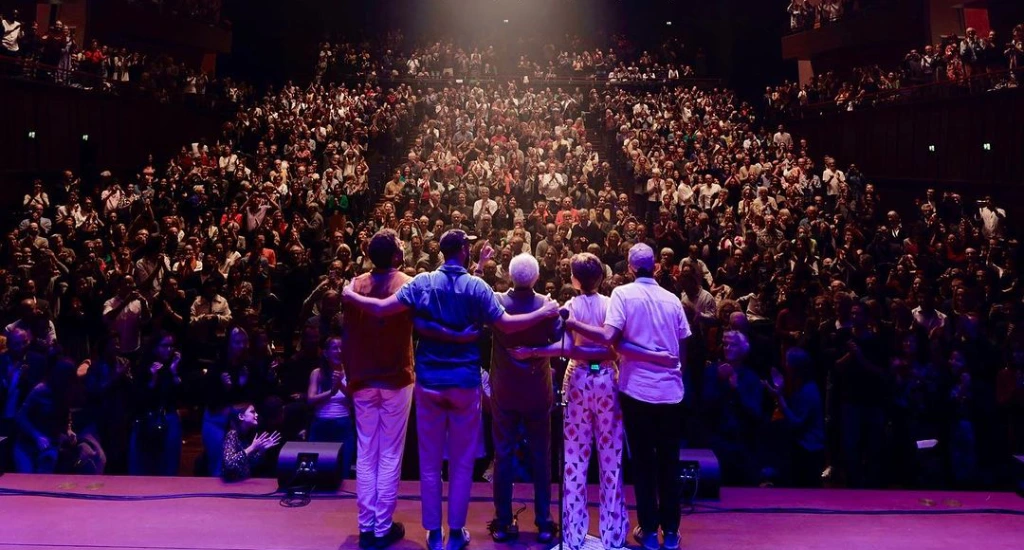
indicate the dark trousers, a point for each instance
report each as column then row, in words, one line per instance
column 807, row 467
column 337, row 430
column 863, row 427
column 537, row 429
column 653, row 433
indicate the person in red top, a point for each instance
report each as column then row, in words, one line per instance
column 380, row 379
column 541, row 216
column 499, row 136
column 92, row 62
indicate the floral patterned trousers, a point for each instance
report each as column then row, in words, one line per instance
column 593, row 417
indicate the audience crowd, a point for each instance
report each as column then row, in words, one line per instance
column 807, row 15
column 618, row 61
column 54, row 56
column 215, row 278
column 972, row 63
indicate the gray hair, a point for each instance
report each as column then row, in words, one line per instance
column 739, row 339
column 523, row 270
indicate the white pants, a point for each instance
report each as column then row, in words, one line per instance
column 382, row 417
column 592, row 415
column 449, row 416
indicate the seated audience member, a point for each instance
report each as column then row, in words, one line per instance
column 244, row 448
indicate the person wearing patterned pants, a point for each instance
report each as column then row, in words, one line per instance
column 592, row 415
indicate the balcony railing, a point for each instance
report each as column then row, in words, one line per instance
column 28, row 69
column 979, row 83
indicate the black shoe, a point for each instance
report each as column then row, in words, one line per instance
column 458, row 539
column 547, row 533
column 647, row 541
column 367, row 540
column 395, row 534
column 435, row 539
column 503, row 532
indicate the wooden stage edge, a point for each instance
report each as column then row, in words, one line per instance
column 215, row 522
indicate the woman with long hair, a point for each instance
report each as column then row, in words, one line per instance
column 243, row 447
column 154, row 447
column 329, row 397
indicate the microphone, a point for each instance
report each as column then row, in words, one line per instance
column 563, row 313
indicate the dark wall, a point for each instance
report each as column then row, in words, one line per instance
column 893, row 142
column 897, row 27
column 121, row 130
column 119, row 23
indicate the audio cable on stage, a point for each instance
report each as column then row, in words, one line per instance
column 304, row 499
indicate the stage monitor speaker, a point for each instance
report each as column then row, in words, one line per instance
column 700, row 478
column 310, row 466
column 4, row 453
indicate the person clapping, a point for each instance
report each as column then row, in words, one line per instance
column 243, row 447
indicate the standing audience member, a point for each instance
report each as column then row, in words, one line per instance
column 798, row 400
column 331, row 400
column 155, row 444
column 44, row 422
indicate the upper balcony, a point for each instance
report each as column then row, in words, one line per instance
column 141, row 22
column 873, row 31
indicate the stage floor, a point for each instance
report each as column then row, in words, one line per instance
column 220, row 524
